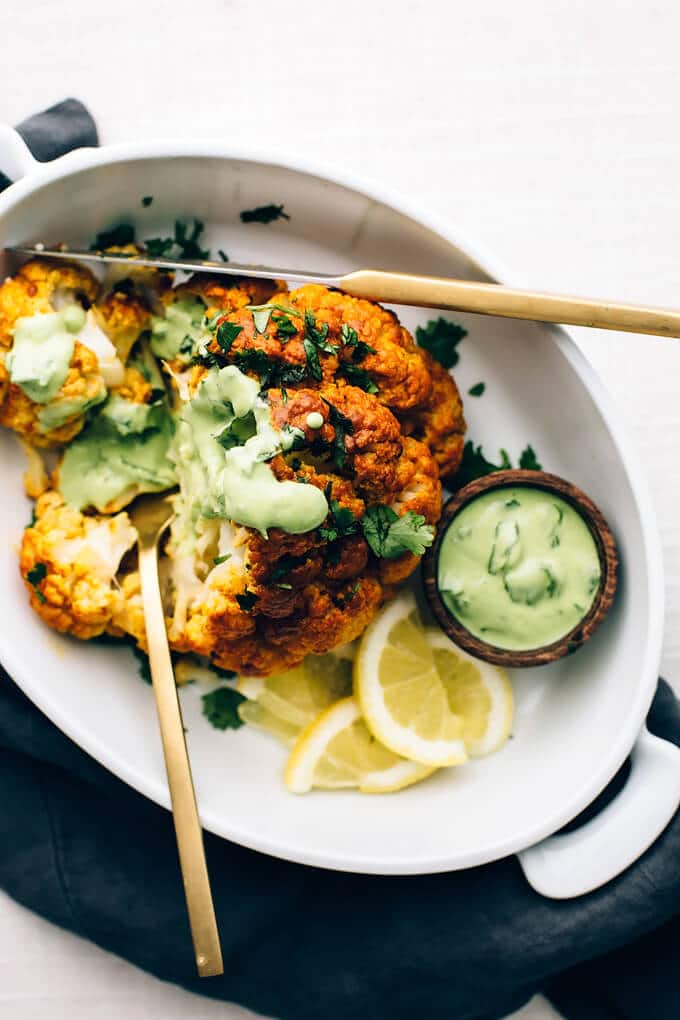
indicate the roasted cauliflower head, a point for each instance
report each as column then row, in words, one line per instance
column 307, row 436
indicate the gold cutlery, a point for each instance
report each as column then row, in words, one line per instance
column 424, row 291
column 151, row 515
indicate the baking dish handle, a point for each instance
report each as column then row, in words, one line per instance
column 15, row 156
column 564, row 866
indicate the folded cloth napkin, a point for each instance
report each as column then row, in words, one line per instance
column 90, row 854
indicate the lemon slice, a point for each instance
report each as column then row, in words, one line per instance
column 402, row 697
column 285, row 703
column 337, row 750
column 481, row 694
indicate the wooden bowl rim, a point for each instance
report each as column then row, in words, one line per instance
column 606, row 548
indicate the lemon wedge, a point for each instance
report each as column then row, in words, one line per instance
column 401, row 694
column 285, row 703
column 481, row 694
column 337, row 750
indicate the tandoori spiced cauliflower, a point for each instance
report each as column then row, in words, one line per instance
column 307, row 439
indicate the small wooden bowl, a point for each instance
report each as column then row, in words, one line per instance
column 607, row 551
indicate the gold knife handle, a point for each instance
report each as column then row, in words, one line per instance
column 494, row 299
column 188, row 831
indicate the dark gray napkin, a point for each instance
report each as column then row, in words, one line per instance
column 90, row 854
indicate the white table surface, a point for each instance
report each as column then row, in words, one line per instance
column 546, row 131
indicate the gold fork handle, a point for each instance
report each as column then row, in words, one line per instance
column 493, row 299
column 185, row 813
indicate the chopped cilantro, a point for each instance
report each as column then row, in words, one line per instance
column 285, row 564
column 185, row 240
column 226, row 333
column 158, row 247
column 264, row 214
column 285, row 327
column 220, row 708
column 344, row 523
column 223, row 255
column 441, row 337
column 477, row 389
column 475, row 465
column 342, row 599
column 32, row 520
column 313, row 366
column 389, row 535
column 147, row 200
column 528, row 459
column 357, row 376
column 318, row 334
column 343, row 427
column 221, row 559
column 35, row 576
column 350, row 338
column 296, row 463
column 118, row 237
column 247, row 600
column 143, row 664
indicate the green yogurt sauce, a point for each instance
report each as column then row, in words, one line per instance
column 126, row 447
column 42, row 350
column 224, row 438
column 180, row 331
column 518, row 567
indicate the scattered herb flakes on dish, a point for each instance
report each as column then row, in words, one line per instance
column 143, row 664
column 389, row 535
column 184, row 243
column 147, row 200
column 343, row 598
column 35, row 576
column 220, row 708
column 114, row 237
column 343, row 523
column 218, row 560
column 477, row 390
column 441, row 338
column 223, row 255
column 264, row 214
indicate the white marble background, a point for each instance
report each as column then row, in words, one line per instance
column 546, row 131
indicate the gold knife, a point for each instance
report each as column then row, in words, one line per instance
column 423, row 291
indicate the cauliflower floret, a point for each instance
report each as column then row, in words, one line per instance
column 69, row 563
column 123, row 314
column 41, row 286
column 37, row 289
column 440, row 423
column 63, row 417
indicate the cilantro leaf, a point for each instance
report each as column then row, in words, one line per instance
column 342, row 599
column 475, row 465
column 313, row 366
column 223, row 255
column 226, row 333
column 264, row 214
column 218, row 560
column 357, row 376
column 528, row 459
column 147, row 200
column 118, row 237
column 477, row 389
column 220, row 708
column 185, row 240
column 35, row 576
column 344, row 523
column 247, row 600
column 441, row 337
column 389, row 535
column 343, row 427
column 143, row 664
